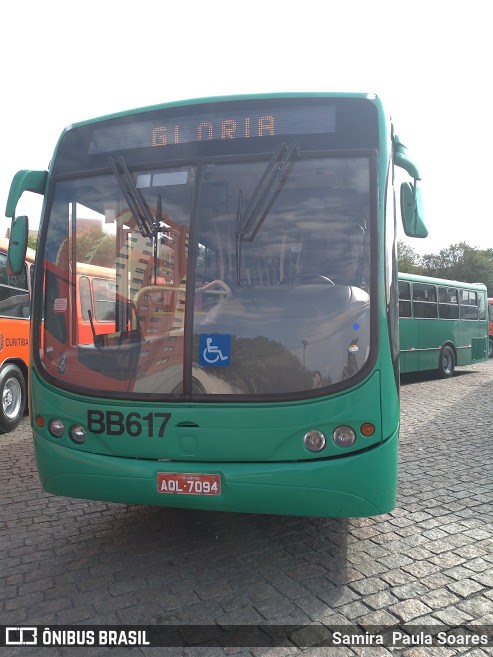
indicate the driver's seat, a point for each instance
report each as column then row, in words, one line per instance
column 320, row 257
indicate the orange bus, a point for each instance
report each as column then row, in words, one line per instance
column 15, row 304
column 95, row 302
column 95, row 313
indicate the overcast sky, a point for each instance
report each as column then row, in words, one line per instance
column 62, row 62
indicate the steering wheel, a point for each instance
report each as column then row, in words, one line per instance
column 306, row 279
column 216, row 281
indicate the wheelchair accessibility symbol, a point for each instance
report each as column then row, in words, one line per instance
column 215, row 350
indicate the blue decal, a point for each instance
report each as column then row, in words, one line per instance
column 356, row 326
column 215, row 350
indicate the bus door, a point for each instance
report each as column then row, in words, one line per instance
column 429, row 338
column 471, row 330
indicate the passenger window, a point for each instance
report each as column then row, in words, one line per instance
column 448, row 303
column 404, row 299
column 425, row 301
column 14, row 293
column 469, row 304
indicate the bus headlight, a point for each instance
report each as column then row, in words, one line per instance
column 56, row 428
column 314, row 440
column 78, row 434
column 343, row 436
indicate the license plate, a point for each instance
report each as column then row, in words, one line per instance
column 188, row 483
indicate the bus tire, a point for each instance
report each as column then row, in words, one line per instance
column 446, row 364
column 490, row 348
column 12, row 397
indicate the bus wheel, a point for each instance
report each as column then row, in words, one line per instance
column 490, row 351
column 446, row 365
column 12, row 397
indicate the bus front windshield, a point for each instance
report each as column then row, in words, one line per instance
column 246, row 279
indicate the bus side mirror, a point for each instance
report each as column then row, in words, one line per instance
column 17, row 245
column 412, row 210
column 24, row 181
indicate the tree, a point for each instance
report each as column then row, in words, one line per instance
column 461, row 262
column 32, row 241
column 408, row 260
column 98, row 247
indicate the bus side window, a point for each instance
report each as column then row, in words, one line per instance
column 425, row 301
column 482, row 307
column 468, row 304
column 448, row 303
column 104, row 299
column 404, row 299
column 55, row 323
column 85, row 297
column 14, row 293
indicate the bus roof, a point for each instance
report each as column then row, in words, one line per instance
column 418, row 278
column 222, row 99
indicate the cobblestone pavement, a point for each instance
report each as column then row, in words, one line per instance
column 68, row 561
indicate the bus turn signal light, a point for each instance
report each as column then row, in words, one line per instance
column 367, row 429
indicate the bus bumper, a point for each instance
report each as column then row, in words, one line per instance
column 362, row 484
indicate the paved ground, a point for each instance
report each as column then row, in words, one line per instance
column 431, row 561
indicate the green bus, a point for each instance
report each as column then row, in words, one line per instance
column 490, row 327
column 442, row 324
column 246, row 250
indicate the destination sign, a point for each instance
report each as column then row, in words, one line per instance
column 214, row 126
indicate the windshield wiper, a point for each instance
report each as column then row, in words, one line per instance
column 264, row 194
column 266, row 190
column 147, row 225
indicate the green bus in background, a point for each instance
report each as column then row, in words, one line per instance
column 490, row 327
column 247, row 250
column 442, row 324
